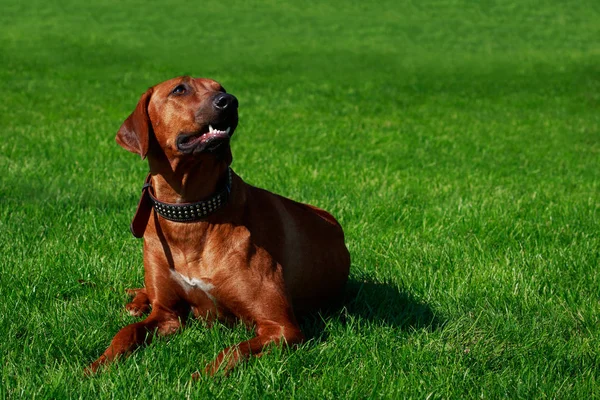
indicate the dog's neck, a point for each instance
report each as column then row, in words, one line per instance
column 187, row 184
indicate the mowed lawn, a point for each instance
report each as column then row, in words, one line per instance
column 457, row 142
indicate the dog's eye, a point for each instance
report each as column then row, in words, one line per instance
column 179, row 89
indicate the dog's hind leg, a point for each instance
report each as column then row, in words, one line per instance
column 140, row 304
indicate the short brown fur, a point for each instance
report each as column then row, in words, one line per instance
column 262, row 258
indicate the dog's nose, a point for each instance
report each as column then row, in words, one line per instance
column 225, row 101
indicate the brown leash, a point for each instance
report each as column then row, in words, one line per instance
column 142, row 213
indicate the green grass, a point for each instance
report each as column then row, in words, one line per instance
column 458, row 143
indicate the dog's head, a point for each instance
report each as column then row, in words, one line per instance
column 184, row 117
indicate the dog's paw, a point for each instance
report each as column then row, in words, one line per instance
column 137, row 310
column 93, row 368
column 140, row 304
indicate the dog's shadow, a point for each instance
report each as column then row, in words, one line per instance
column 377, row 303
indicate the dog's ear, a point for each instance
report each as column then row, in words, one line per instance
column 134, row 134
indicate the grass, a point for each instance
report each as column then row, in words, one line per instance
column 457, row 142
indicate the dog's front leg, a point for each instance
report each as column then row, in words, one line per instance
column 267, row 332
column 133, row 335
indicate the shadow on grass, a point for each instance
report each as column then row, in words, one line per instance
column 378, row 303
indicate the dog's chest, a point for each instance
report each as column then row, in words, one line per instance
column 191, row 285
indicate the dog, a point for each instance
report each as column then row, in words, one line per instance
column 215, row 246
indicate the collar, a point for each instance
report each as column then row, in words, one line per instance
column 178, row 212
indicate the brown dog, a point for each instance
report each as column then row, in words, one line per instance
column 213, row 244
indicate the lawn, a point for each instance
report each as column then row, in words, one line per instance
column 457, row 142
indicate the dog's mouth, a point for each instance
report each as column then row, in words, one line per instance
column 211, row 138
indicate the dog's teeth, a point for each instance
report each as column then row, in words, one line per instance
column 227, row 130
column 210, row 129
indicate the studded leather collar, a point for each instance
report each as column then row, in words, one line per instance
column 178, row 212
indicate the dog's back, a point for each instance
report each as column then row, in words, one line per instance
column 305, row 240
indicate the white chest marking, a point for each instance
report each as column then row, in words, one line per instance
column 190, row 284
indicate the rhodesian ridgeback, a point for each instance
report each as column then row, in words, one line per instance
column 215, row 246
